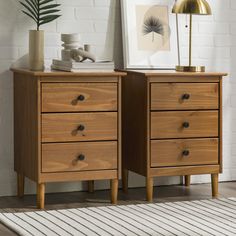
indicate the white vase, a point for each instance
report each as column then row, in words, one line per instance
column 36, row 50
column 70, row 42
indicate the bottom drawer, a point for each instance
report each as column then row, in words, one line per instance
column 184, row 152
column 62, row 157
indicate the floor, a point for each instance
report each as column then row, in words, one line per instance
column 101, row 198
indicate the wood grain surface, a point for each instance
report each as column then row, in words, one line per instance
column 170, row 124
column 171, row 96
column 26, row 126
column 171, row 152
column 135, row 132
column 56, row 73
column 59, row 127
column 184, row 170
column 63, row 157
column 64, row 97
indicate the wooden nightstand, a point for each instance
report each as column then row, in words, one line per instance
column 67, row 127
column 172, row 125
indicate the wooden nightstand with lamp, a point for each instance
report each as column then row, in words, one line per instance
column 172, row 121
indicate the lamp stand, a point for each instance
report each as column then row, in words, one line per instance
column 190, row 68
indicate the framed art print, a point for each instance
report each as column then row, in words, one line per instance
column 149, row 34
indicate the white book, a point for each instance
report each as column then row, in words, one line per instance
column 69, row 69
column 85, row 65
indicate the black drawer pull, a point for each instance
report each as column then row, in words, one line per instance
column 186, row 153
column 80, row 98
column 186, row 125
column 186, row 96
column 81, row 157
column 81, row 128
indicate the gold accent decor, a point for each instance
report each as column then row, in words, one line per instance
column 190, row 68
column 191, row 7
column 194, row 7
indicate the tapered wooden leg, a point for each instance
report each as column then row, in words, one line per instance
column 114, row 190
column 214, row 185
column 187, row 180
column 20, row 185
column 149, row 189
column 125, row 180
column 91, row 186
column 40, row 195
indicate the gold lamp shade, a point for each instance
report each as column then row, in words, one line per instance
column 191, row 7
column 194, row 7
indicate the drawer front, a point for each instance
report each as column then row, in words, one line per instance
column 71, row 97
column 184, row 96
column 184, row 152
column 79, row 127
column 184, row 124
column 64, row 157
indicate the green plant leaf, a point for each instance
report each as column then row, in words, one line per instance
column 48, row 19
column 42, row 2
column 41, row 11
column 34, row 7
column 49, row 12
column 29, row 15
column 35, row 3
column 49, row 7
column 31, row 11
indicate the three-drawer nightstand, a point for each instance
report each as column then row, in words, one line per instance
column 67, row 127
column 172, row 125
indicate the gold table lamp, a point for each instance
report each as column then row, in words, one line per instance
column 191, row 7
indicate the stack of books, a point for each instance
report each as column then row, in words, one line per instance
column 82, row 66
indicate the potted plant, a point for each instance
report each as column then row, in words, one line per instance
column 42, row 12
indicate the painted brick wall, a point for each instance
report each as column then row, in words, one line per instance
column 99, row 24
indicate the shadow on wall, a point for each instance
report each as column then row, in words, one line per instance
column 220, row 60
column 22, row 62
column 8, row 20
column 12, row 39
column 113, row 44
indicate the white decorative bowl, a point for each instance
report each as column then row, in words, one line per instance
column 70, row 38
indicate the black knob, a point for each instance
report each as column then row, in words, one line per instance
column 186, row 96
column 186, row 125
column 186, row 153
column 81, row 157
column 81, row 127
column 81, row 98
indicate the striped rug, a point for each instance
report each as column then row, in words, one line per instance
column 206, row 217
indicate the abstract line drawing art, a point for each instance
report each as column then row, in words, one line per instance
column 149, row 31
column 153, row 25
column 154, row 29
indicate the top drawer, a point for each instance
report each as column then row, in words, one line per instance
column 69, row 97
column 184, row 96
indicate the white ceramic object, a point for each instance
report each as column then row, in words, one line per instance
column 70, row 42
column 70, row 46
column 87, row 47
column 70, row 38
column 66, row 55
column 73, row 51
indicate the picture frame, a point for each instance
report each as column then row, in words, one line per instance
column 150, row 34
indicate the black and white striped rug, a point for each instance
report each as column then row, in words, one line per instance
column 206, row 217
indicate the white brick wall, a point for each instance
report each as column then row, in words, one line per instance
column 99, row 24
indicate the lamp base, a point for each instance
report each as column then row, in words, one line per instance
column 190, row 68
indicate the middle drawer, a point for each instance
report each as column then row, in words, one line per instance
column 184, row 124
column 71, row 127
